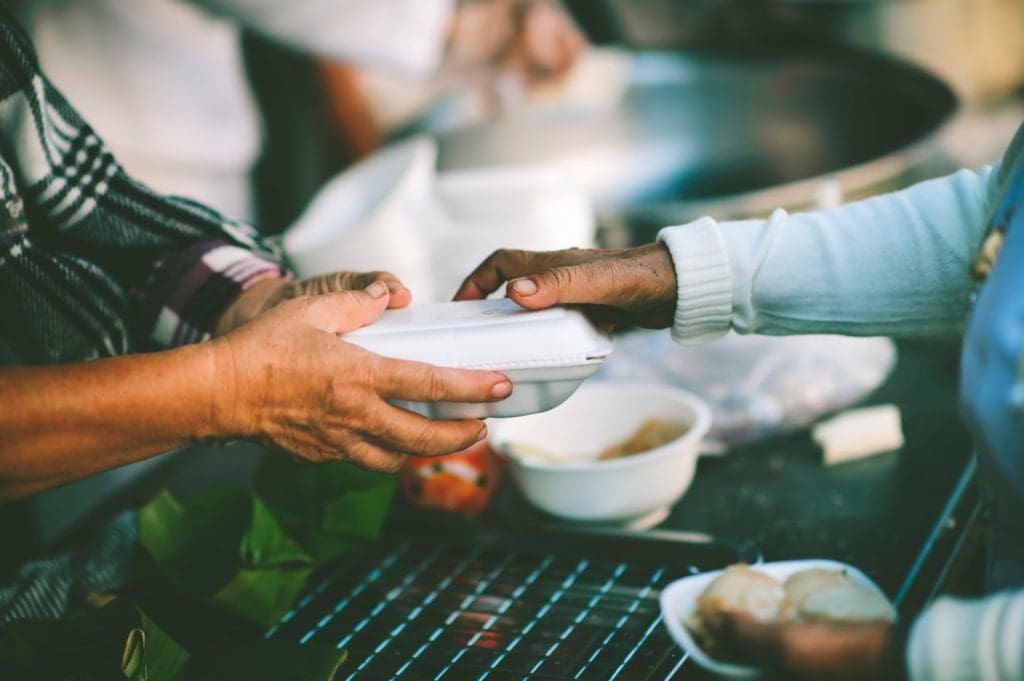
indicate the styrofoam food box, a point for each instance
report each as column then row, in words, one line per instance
column 546, row 354
column 679, row 600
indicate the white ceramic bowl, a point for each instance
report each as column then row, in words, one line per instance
column 679, row 600
column 638, row 489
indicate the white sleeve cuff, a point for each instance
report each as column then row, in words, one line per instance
column 704, row 279
column 962, row 640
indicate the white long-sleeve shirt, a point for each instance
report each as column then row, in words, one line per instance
column 843, row 270
column 897, row 264
column 969, row 640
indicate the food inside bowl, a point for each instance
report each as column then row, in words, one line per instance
column 813, row 595
column 651, row 433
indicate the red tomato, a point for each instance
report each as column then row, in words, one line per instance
column 462, row 482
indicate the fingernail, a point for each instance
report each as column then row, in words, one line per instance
column 377, row 289
column 482, row 434
column 524, row 287
column 395, row 286
column 503, row 389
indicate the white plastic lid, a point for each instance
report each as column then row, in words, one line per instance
column 485, row 334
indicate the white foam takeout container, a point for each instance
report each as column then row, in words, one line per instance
column 679, row 600
column 546, row 354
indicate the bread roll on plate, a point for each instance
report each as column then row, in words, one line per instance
column 741, row 589
column 820, row 595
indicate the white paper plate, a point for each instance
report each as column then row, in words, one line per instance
column 679, row 600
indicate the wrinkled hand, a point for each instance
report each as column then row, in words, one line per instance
column 267, row 293
column 289, row 382
column 798, row 650
column 633, row 286
column 532, row 37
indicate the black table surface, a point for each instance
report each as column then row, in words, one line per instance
column 882, row 514
column 875, row 513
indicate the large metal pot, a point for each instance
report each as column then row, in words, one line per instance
column 726, row 136
column 975, row 45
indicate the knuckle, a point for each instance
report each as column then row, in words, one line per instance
column 368, row 369
column 392, row 462
column 373, row 421
column 436, row 385
column 423, row 440
column 303, row 301
column 561, row 277
column 359, row 280
column 508, row 256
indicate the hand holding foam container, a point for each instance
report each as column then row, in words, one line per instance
column 546, row 354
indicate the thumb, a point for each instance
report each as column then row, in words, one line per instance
column 591, row 282
column 341, row 311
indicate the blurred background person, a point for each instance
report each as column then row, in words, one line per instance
column 185, row 92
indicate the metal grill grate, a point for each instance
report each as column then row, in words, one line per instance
column 420, row 610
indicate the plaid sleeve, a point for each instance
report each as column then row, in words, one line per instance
column 190, row 290
column 93, row 263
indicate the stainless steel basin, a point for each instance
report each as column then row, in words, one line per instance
column 727, row 136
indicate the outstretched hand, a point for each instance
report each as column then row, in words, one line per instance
column 288, row 381
column 633, row 286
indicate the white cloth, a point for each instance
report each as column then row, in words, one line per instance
column 163, row 81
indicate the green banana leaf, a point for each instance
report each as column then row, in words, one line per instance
column 215, row 571
column 119, row 643
column 196, row 545
column 330, row 509
column 116, row 641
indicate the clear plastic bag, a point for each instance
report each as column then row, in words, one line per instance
column 758, row 385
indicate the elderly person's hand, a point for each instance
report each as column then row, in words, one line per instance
column 634, row 286
column 289, row 382
column 533, row 37
column 267, row 293
column 808, row 651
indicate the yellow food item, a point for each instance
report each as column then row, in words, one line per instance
column 651, row 433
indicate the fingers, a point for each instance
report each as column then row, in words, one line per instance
column 371, row 456
column 403, row 431
column 597, row 282
column 639, row 281
column 343, row 311
column 506, row 264
column 549, row 40
column 419, row 382
column 400, row 295
column 351, row 281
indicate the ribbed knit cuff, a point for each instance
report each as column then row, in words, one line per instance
column 704, row 295
column 958, row 640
